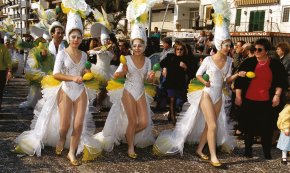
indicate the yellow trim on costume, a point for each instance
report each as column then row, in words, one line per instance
column 114, row 85
column 150, row 90
column 193, row 88
column 49, row 81
column 90, row 154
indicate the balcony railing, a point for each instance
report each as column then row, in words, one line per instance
column 189, row 0
column 252, row 27
column 255, row 2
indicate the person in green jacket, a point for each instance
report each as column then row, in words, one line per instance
column 5, row 69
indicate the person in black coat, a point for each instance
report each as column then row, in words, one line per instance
column 175, row 68
column 259, row 96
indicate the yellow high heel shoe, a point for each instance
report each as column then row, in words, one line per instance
column 132, row 155
column 73, row 162
column 58, row 150
column 216, row 164
column 202, row 156
column 219, row 165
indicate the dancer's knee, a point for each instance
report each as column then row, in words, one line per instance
column 78, row 128
column 212, row 127
column 143, row 124
column 63, row 131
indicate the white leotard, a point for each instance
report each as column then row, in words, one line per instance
column 65, row 65
column 134, row 83
column 216, row 76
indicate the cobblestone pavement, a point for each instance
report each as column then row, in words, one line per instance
column 13, row 121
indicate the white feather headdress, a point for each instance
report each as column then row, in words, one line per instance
column 137, row 14
column 102, row 27
column 75, row 9
column 221, row 17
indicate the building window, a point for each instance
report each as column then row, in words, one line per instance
column 257, row 19
column 208, row 12
column 286, row 11
column 238, row 17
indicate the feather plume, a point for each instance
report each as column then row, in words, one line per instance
column 76, row 6
column 102, row 18
column 221, row 17
column 137, row 10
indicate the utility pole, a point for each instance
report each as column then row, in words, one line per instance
column 20, row 8
column 167, row 5
column 150, row 19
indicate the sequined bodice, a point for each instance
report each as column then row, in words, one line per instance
column 65, row 65
column 135, row 77
column 217, row 76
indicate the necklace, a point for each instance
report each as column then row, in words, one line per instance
column 263, row 61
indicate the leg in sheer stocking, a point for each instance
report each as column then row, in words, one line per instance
column 210, row 114
column 142, row 114
column 79, row 107
column 64, row 108
column 129, row 104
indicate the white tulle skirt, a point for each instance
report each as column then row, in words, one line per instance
column 190, row 126
column 116, row 124
column 45, row 126
column 106, row 72
column 34, row 95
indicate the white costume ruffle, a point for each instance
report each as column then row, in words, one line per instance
column 190, row 127
column 191, row 121
column 45, row 125
column 116, row 125
column 103, row 64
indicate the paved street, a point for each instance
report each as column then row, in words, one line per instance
column 13, row 121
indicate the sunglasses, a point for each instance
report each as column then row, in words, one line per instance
column 258, row 49
column 180, row 49
column 73, row 37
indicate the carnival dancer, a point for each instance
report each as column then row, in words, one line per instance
column 40, row 62
column 104, row 56
column 62, row 119
column 129, row 118
column 284, row 139
column 205, row 121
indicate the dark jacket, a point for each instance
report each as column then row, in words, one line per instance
column 286, row 63
column 278, row 75
column 176, row 75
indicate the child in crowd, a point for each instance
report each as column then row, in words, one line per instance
column 284, row 125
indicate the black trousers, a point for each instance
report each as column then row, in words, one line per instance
column 3, row 74
column 258, row 118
